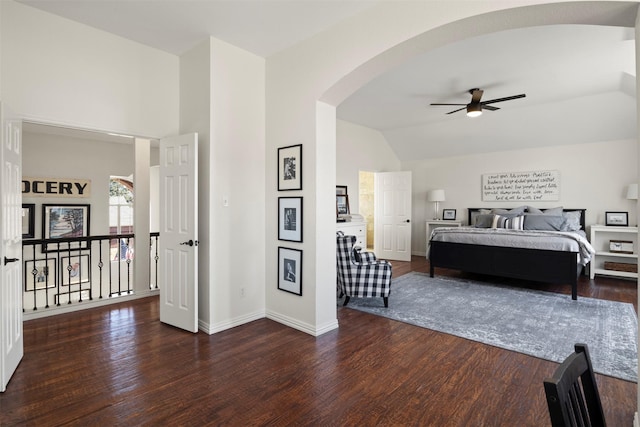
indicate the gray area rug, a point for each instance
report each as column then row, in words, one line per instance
column 540, row 324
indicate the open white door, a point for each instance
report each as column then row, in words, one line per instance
column 392, row 217
column 11, row 338
column 178, row 245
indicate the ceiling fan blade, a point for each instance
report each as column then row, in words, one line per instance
column 508, row 98
column 459, row 109
column 447, row 104
column 476, row 94
column 489, row 107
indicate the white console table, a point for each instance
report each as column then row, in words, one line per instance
column 358, row 229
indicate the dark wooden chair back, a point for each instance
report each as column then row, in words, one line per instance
column 572, row 393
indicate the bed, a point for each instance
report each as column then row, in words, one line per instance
column 521, row 243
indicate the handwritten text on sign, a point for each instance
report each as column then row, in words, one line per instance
column 521, row 186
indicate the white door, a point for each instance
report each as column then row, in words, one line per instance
column 11, row 339
column 178, row 244
column 392, row 215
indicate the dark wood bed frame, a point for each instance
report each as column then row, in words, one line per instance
column 539, row 265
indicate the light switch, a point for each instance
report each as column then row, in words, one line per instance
column 225, row 201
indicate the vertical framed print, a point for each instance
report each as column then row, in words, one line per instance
column 28, row 220
column 290, row 168
column 290, row 270
column 290, row 219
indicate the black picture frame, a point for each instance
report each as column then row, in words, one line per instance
column 28, row 220
column 341, row 190
column 449, row 214
column 65, row 221
column 616, row 219
column 290, row 270
column 40, row 274
column 290, row 219
column 75, row 269
column 290, row 168
column 342, row 205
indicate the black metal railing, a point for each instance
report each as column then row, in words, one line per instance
column 73, row 270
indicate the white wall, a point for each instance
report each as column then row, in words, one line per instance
column 222, row 90
column 58, row 71
column 593, row 176
column 55, row 156
column 359, row 148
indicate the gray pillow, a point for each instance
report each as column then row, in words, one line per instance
column 509, row 213
column 532, row 210
column 571, row 221
column 543, row 222
column 484, row 220
column 554, row 211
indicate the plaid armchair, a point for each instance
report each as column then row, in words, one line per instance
column 360, row 274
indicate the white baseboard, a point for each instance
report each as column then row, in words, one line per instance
column 635, row 420
column 232, row 323
column 304, row 327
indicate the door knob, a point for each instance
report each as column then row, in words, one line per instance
column 8, row 260
column 190, row 242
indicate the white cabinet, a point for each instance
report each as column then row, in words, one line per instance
column 430, row 225
column 358, row 229
column 601, row 237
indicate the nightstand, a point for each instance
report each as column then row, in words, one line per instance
column 431, row 225
column 605, row 258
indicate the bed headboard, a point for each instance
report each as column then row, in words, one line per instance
column 472, row 212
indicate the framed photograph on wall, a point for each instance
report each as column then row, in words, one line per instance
column 28, row 220
column 39, row 274
column 290, row 270
column 449, row 214
column 290, row 168
column 617, row 219
column 290, row 219
column 341, row 190
column 342, row 205
column 65, row 221
column 74, row 269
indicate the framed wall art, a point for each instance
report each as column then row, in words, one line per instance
column 342, row 205
column 290, row 219
column 448, row 214
column 74, row 269
column 618, row 219
column 39, row 274
column 290, row 168
column 341, row 190
column 290, row 270
column 28, row 220
column 65, row 221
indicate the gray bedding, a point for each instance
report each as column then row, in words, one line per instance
column 571, row 241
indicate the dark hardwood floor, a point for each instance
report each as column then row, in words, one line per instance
column 120, row 366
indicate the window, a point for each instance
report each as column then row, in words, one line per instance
column 120, row 216
column 120, row 206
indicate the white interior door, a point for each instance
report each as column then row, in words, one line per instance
column 392, row 218
column 11, row 338
column 178, row 244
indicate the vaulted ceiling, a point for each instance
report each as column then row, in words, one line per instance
column 579, row 81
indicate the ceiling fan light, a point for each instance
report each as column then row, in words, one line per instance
column 474, row 110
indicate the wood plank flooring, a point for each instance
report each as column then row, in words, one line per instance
column 119, row 366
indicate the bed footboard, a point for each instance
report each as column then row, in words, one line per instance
column 518, row 263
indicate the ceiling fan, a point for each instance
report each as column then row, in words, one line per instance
column 475, row 107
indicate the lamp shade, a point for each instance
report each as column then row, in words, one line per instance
column 632, row 192
column 435, row 196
